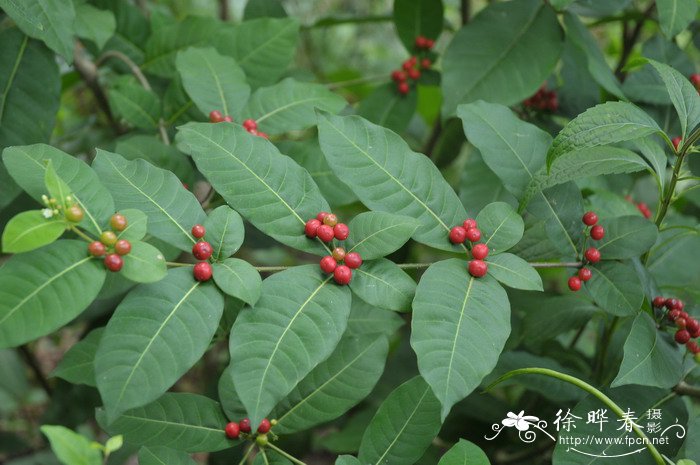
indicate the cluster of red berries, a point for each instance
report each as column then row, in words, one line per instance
column 543, row 99
column 326, row 227
column 688, row 327
column 201, row 250
column 641, row 206
column 249, row 125
column 469, row 231
column 592, row 255
column 695, row 80
column 111, row 245
column 410, row 69
column 234, row 429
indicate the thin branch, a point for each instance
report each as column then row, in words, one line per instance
column 685, row 389
column 36, row 369
column 465, row 10
column 629, row 39
column 285, row 454
column 668, row 196
column 224, row 14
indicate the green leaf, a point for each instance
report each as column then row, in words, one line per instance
column 675, row 15
column 156, row 334
column 514, row 272
column 186, row 422
column 268, row 457
column 414, row 18
column 347, row 460
column 44, row 289
column 603, row 124
column 224, row 232
column 383, row 284
column 31, row 89
column 230, row 402
column 136, row 227
column 560, row 208
column 521, row 38
column 138, row 106
column 649, row 358
column 615, row 287
column 271, row 191
column 56, row 187
column 71, row 448
column 683, row 95
column 264, row 9
column 50, row 21
column 386, row 107
column 78, row 364
column 582, row 39
column 295, row 325
column 464, row 453
column 377, row 234
column 239, row 279
column 94, row 24
column 513, row 149
column 403, row 427
column 460, row 325
column 159, row 455
column 335, row 385
column 366, row 319
column 479, row 185
column 30, row 230
column 290, row 105
column 501, row 227
column 214, row 81
column 655, row 156
column 626, row 237
column 144, row 264
column 171, row 209
column 263, row 47
column 387, row 176
column 156, row 153
column 27, row 165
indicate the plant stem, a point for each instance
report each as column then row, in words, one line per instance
column 629, row 39
column 36, row 369
column 264, row 456
column 247, row 453
column 685, row 389
column 286, row 455
column 81, row 234
column 175, row 264
column 668, row 196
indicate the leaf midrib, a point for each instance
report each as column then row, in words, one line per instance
column 457, row 330
column 13, row 74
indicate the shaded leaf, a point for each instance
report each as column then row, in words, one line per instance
column 78, row 364
column 414, row 18
column 627, row 237
column 615, row 287
column 239, row 279
column 386, row 107
column 159, row 455
column 94, row 24
column 464, row 453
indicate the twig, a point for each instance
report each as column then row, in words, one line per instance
column 36, row 369
column 694, row 137
column 433, row 139
column 629, row 39
column 81, row 234
column 284, row 454
column 685, row 389
column 223, row 10
column 247, row 453
column 465, row 11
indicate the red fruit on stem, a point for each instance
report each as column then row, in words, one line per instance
column 678, row 305
column 244, row 424
column 592, row 255
column 676, row 141
column 584, row 274
column 341, row 231
column 118, row 222
column 342, row 274
column 421, row 42
column 325, row 233
column 644, row 210
column 202, row 250
column 658, row 301
column 403, row 88
column 469, row 223
column 406, row 65
column 353, row 260
column 682, row 336
column 429, row 43
column 113, row 262
column 311, row 228
column 692, row 325
column 264, row 135
column 693, row 347
column 250, row 124
column 473, row 234
column 478, row 268
column 338, row 253
column 695, row 79
column 413, row 73
column 321, row 216
column 458, row 235
column 96, row 249
column 232, row 430
column 398, row 75
column 597, row 232
column 673, row 315
column 425, row 63
column 480, row 251
column 198, row 231
column 228, row 119
column 264, row 426
column 202, row 271
column 574, row 283
column 215, row 116
column 328, row 264
column 589, row 218
column 670, row 303
column 122, row 247
column 108, row 238
column 681, row 323
column 330, row 220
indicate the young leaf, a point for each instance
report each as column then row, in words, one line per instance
column 290, row 105
column 387, row 176
column 649, row 358
column 144, row 264
column 335, row 385
column 615, row 287
column 403, row 427
column 181, row 421
column 171, row 209
column 138, row 106
column 156, row 334
column 683, row 95
column 56, row 187
column 675, row 15
column 464, row 453
column 159, row 455
column 383, row 284
column 603, row 124
column 271, row 191
column 224, row 232
column 627, row 237
column 514, row 272
column 460, row 325
column 239, row 279
column 94, row 24
column 214, row 81
column 414, row 18
column 501, row 227
column 71, row 448
column 44, row 289
column 377, row 234
column 522, row 38
column 78, row 364
column 295, row 325
column 386, row 107
column 30, row 230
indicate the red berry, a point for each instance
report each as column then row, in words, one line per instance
column 597, row 232
column 228, row 119
column 232, row 430
column 478, row 268
column 264, row 135
column 425, row 63
column 122, row 247
column 353, row 260
column 330, row 219
column 338, row 253
column 113, row 262
column 341, row 231
column 325, row 233
column 584, row 274
column 215, row 116
column 644, row 209
column 693, row 347
column 250, row 124
column 469, row 223
column 342, row 274
column 202, row 250
column 311, row 228
column 321, row 216
column 673, row 315
column 96, row 249
column 658, row 302
column 118, row 222
column 421, row 42
column 695, row 79
column 429, row 43
column 574, row 283
column 473, row 234
column 592, row 255
column 398, row 75
column 692, row 325
column 413, row 73
column 74, row 214
column 676, row 141
column 680, row 323
column 264, row 426
column 678, row 304
column 589, row 218
column 403, row 88
column 671, row 303
column 198, row 231
column 108, row 238
column 244, row 424
column 480, row 251
column 253, row 131
column 328, row 264
column 682, row 336
column 458, row 235
column 202, row 271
